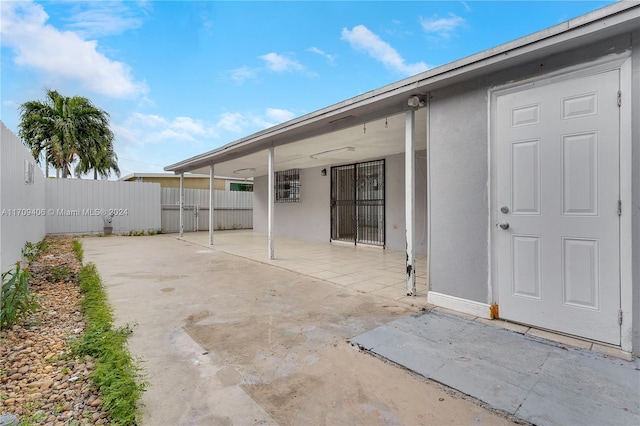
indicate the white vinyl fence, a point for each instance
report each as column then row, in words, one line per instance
column 32, row 206
column 22, row 203
column 82, row 206
column 232, row 210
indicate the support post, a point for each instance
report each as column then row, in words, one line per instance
column 212, row 204
column 271, row 198
column 428, row 187
column 181, row 204
column 410, row 201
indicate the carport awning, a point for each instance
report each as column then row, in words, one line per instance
column 370, row 140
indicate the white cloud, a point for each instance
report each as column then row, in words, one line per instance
column 232, row 122
column 329, row 57
column 140, row 129
column 361, row 38
column 442, row 27
column 237, row 122
column 280, row 63
column 63, row 54
column 100, row 18
column 241, row 74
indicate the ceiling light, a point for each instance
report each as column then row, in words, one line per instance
column 248, row 169
column 332, row 151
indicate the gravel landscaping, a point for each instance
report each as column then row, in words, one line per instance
column 39, row 382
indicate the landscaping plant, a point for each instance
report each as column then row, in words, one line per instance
column 17, row 300
column 77, row 249
column 118, row 378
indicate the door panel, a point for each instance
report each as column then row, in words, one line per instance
column 557, row 177
column 357, row 203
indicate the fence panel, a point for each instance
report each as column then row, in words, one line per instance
column 81, row 206
column 233, row 210
column 22, row 203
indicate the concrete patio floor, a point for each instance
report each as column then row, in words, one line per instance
column 367, row 269
column 229, row 337
column 364, row 269
column 225, row 340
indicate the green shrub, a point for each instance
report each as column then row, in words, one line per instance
column 119, row 379
column 31, row 250
column 17, row 300
column 77, row 249
column 59, row 273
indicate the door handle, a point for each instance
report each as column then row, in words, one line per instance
column 503, row 225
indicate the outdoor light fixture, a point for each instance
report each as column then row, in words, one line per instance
column 415, row 102
column 323, row 172
column 332, row 151
column 248, row 169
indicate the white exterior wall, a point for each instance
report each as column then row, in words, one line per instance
column 74, row 206
column 310, row 219
column 459, row 203
column 18, row 199
column 634, row 208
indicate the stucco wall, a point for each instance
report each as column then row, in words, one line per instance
column 459, row 234
column 635, row 207
column 395, row 199
column 310, row 219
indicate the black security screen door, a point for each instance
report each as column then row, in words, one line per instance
column 357, row 203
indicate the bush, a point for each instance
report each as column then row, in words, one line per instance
column 17, row 300
column 118, row 378
column 77, row 249
column 31, row 250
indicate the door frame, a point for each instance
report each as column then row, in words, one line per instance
column 622, row 63
column 356, row 241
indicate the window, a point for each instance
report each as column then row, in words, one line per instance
column 288, row 186
column 242, row 187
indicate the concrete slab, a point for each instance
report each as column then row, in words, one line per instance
column 227, row 340
column 542, row 382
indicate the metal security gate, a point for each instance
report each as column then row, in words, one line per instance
column 357, row 203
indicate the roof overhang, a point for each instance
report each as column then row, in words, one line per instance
column 381, row 105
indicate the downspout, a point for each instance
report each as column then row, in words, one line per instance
column 211, row 204
column 181, row 204
column 270, row 203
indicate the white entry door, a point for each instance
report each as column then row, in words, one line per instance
column 557, row 192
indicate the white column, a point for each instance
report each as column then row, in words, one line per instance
column 428, row 186
column 410, row 201
column 271, row 201
column 212, row 204
column 181, row 204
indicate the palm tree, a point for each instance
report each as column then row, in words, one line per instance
column 67, row 129
column 101, row 161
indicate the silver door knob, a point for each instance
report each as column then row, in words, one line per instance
column 503, row 225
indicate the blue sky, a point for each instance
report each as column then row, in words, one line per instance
column 179, row 78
